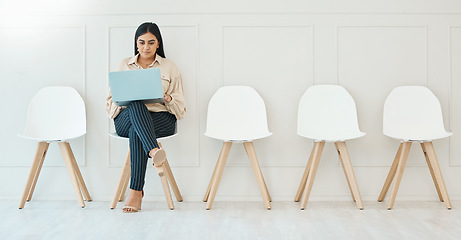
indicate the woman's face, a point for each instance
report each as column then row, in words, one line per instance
column 147, row 45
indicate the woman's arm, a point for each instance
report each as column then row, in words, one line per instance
column 177, row 105
column 111, row 108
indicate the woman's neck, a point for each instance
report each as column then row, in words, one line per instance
column 145, row 62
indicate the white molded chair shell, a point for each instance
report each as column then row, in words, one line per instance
column 328, row 113
column 413, row 113
column 237, row 113
column 55, row 114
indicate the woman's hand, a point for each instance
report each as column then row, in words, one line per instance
column 167, row 98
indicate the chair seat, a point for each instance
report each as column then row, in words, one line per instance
column 332, row 137
column 421, row 137
column 239, row 138
column 44, row 138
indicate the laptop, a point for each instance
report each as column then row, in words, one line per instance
column 128, row 86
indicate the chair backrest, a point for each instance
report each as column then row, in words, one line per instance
column 413, row 113
column 328, row 113
column 236, row 113
column 55, row 113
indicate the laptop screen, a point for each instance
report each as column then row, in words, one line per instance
column 135, row 85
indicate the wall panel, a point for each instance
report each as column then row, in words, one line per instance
column 33, row 58
column 455, row 77
column 372, row 60
column 279, row 52
column 278, row 62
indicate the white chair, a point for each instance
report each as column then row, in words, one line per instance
column 413, row 114
column 56, row 114
column 327, row 113
column 236, row 114
column 164, row 171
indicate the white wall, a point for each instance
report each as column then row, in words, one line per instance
column 278, row 47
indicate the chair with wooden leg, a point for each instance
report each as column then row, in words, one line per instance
column 413, row 114
column 327, row 113
column 163, row 170
column 236, row 114
column 56, row 114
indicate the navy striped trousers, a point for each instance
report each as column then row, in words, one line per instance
column 142, row 128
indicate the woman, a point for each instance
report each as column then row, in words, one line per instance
column 144, row 123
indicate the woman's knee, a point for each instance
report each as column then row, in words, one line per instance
column 136, row 105
column 122, row 132
column 122, row 124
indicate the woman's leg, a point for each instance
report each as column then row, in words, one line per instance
column 164, row 122
column 138, row 161
column 142, row 127
column 142, row 124
column 135, row 122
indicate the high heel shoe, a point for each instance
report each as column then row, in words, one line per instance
column 159, row 157
column 132, row 209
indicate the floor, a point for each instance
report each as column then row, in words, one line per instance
column 230, row 220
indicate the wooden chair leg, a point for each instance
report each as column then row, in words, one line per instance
column 126, row 177
column 213, row 176
column 438, row 173
column 302, row 185
column 391, row 175
column 401, row 166
column 37, row 173
column 345, row 172
column 166, row 188
column 210, row 184
column 318, row 148
column 73, row 177
column 125, row 185
column 249, row 147
column 349, row 172
column 39, row 154
column 171, row 179
column 81, row 182
column 217, row 178
column 122, row 182
column 264, row 182
column 267, row 190
column 431, row 170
